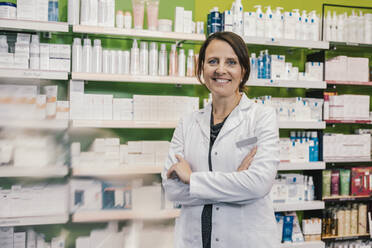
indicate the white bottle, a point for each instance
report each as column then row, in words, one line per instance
column 250, row 24
column 144, row 59
column 304, row 31
column 298, row 24
column 163, row 60
column 334, row 27
column 89, row 12
column 173, row 61
column 360, row 29
column 289, row 26
column 126, row 62
column 278, row 24
column 77, row 55
column 260, row 22
column 368, row 28
column 97, row 56
column 181, row 63
column 134, row 59
column 311, row 189
column 119, row 55
column 120, row 19
column 238, row 13
column 73, row 12
column 35, row 53
column 340, row 28
column 153, row 59
column 328, row 26
column 110, row 13
column 254, row 67
column 105, row 61
column 268, row 19
column 102, row 11
column 87, row 56
column 3, row 44
column 314, row 26
column 190, row 72
column 113, row 64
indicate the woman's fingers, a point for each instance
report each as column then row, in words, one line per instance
column 171, row 171
column 248, row 160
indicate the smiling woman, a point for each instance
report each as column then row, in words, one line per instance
column 223, row 159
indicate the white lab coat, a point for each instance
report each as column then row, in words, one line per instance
column 243, row 214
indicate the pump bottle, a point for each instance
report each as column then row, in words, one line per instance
column 163, row 60
column 87, row 56
column 268, row 22
column 173, row 59
column 260, row 22
column 134, row 59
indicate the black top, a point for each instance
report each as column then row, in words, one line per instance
column 206, row 217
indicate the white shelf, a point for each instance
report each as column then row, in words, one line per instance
column 112, row 215
column 42, row 172
column 348, row 160
column 43, row 26
column 308, row 244
column 137, row 33
column 125, row 170
column 302, row 166
column 298, row 206
column 302, row 124
column 287, row 43
column 133, row 78
column 32, row 74
column 35, row 124
column 34, row 220
column 123, row 124
column 288, row 83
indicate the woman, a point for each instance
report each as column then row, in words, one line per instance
column 213, row 170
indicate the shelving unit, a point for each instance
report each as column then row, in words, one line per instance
column 348, row 160
column 288, row 83
column 8, row 73
column 283, row 166
column 134, row 78
column 42, row 172
column 29, row 25
column 345, row 238
column 111, row 215
column 307, row 244
column 348, row 121
column 123, row 171
column 34, row 220
column 302, row 124
column 349, row 83
column 287, row 43
column 123, row 124
column 299, row 206
column 136, row 33
column 36, row 124
column 344, row 198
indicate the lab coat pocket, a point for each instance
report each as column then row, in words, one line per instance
column 244, row 146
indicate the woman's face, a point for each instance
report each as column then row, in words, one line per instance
column 222, row 72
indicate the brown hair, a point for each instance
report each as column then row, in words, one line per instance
column 239, row 47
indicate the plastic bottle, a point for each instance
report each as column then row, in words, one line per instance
column 106, row 61
column 298, row 23
column 267, row 65
column 250, row 24
column 304, row 33
column 119, row 19
column 314, row 137
column 190, row 64
column 334, row 27
column 73, row 12
column 173, row 59
column 3, row 44
column 216, row 21
column 360, row 28
column 313, row 26
column 254, row 67
column 311, row 189
column 134, row 59
column 87, row 56
column 35, row 53
column 260, row 23
column 153, row 59
column 181, row 63
column 340, row 28
column 53, row 11
column 163, row 60
column 77, row 54
column 238, row 27
column 268, row 19
column 97, row 56
column 328, row 26
column 126, row 62
column 261, row 68
column 289, row 26
column 144, row 59
column 306, row 188
column 278, row 24
column 113, row 62
column 368, row 28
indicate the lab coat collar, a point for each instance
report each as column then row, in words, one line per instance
column 234, row 119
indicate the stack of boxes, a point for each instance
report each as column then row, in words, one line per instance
column 343, row 68
column 348, row 107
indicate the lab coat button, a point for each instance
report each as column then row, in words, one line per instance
column 215, row 153
column 217, row 239
column 217, row 208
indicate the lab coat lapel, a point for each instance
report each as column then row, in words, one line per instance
column 236, row 117
column 203, row 118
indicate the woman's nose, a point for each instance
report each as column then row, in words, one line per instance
column 220, row 69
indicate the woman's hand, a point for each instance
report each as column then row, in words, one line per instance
column 248, row 160
column 181, row 169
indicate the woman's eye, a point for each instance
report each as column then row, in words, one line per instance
column 231, row 62
column 212, row 61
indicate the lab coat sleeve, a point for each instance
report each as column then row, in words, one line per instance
column 256, row 181
column 176, row 190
